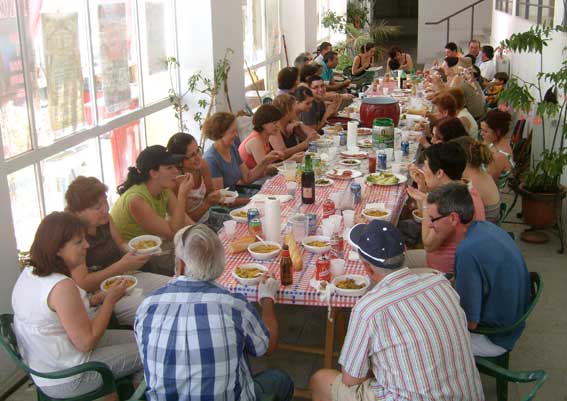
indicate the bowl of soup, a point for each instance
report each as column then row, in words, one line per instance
column 351, row 284
column 317, row 243
column 376, row 213
column 249, row 273
column 264, row 250
column 417, row 215
column 145, row 244
column 131, row 283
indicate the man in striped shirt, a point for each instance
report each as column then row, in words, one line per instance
column 407, row 338
column 195, row 337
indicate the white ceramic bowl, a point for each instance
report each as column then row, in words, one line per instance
column 249, row 281
column 148, row 250
column 358, row 279
column 317, row 249
column 235, row 215
column 229, row 196
column 369, row 217
column 417, row 215
column 104, row 286
column 350, row 162
column 261, row 255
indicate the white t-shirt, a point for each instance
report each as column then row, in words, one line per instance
column 488, row 69
column 473, row 129
column 42, row 340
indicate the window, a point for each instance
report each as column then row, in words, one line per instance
column 504, row 6
column 538, row 11
column 262, row 42
column 82, row 85
column 322, row 33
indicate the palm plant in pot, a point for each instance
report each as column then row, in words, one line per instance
column 540, row 185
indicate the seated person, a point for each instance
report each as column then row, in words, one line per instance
column 307, row 71
column 479, row 155
column 319, row 113
column 494, row 87
column 491, row 276
column 330, row 61
column 322, row 49
column 226, row 166
column 396, row 328
column 494, row 131
column 209, row 331
column 444, row 164
column 203, row 194
column 288, row 79
column 361, row 63
column 488, row 65
column 108, row 254
column 146, row 199
column 303, row 59
column 452, row 50
column 403, row 60
column 446, row 129
column 293, row 138
column 55, row 327
column 256, row 146
column 393, row 65
column 463, row 113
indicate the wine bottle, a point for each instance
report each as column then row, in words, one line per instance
column 308, row 182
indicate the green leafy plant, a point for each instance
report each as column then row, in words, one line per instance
column 526, row 96
column 199, row 83
column 357, row 15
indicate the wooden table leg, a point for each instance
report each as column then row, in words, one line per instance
column 329, row 340
column 341, row 328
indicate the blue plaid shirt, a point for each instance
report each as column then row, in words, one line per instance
column 194, row 338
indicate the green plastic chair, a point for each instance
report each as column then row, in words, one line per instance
column 529, row 376
column 123, row 386
column 536, row 285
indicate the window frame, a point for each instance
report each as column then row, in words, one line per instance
column 523, row 10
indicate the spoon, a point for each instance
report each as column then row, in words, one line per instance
column 261, row 240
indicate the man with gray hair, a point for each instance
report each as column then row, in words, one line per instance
column 407, row 337
column 195, row 337
column 491, row 276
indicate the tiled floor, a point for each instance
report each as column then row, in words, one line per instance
column 542, row 346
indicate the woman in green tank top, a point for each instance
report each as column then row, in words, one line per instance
column 147, row 204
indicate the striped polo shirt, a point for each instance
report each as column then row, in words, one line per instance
column 411, row 332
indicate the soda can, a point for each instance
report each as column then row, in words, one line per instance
column 255, row 227
column 405, row 148
column 311, row 223
column 343, row 138
column 323, row 269
column 381, row 161
column 337, row 246
column 356, row 191
column 312, row 147
column 252, row 213
column 328, row 208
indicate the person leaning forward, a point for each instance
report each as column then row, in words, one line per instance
column 407, row 338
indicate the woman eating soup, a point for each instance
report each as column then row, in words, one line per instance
column 54, row 323
column 108, row 254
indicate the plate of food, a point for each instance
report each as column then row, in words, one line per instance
column 373, row 212
column 317, row 243
column 364, row 143
column 354, row 154
column 131, row 283
column 240, row 215
column 264, row 250
column 249, row 273
column 385, row 178
column 351, row 284
column 364, row 131
column 343, row 174
column 324, row 142
column 324, row 182
column 145, row 244
column 350, row 162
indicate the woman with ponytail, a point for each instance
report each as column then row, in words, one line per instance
column 479, row 155
column 494, row 131
column 146, row 198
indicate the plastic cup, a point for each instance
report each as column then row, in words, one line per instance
column 337, row 220
column 291, row 187
column 230, row 228
column 290, row 165
column 336, row 198
column 299, row 226
column 385, row 91
column 348, row 217
column 337, row 267
column 327, row 228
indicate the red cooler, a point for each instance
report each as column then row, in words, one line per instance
column 379, row 107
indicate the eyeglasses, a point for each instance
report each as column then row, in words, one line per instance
column 434, row 219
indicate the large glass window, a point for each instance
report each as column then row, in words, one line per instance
column 504, row 6
column 26, row 209
column 322, row 7
column 538, row 11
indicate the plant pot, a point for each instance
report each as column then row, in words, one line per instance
column 539, row 210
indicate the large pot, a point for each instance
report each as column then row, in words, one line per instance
column 379, row 107
column 540, row 210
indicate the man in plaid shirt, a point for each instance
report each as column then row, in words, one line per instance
column 407, row 337
column 195, row 337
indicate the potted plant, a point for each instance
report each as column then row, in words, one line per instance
column 540, row 186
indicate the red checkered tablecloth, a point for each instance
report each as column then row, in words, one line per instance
column 300, row 292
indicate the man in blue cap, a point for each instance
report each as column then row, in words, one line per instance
column 407, row 337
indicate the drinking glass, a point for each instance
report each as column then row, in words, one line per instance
column 299, row 226
column 230, row 228
column 291, row 187
column 348, row 217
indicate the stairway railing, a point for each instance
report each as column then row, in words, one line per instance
column 448, row 18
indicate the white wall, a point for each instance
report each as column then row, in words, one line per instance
column 431, row 39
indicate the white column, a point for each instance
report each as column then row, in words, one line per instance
column 293, row 27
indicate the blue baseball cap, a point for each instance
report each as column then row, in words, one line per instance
column 379, row 243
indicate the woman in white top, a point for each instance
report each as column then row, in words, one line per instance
column 54, row 322
column 463, row 114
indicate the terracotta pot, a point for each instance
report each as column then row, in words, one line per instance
column 379, row 107
column 540, row 210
